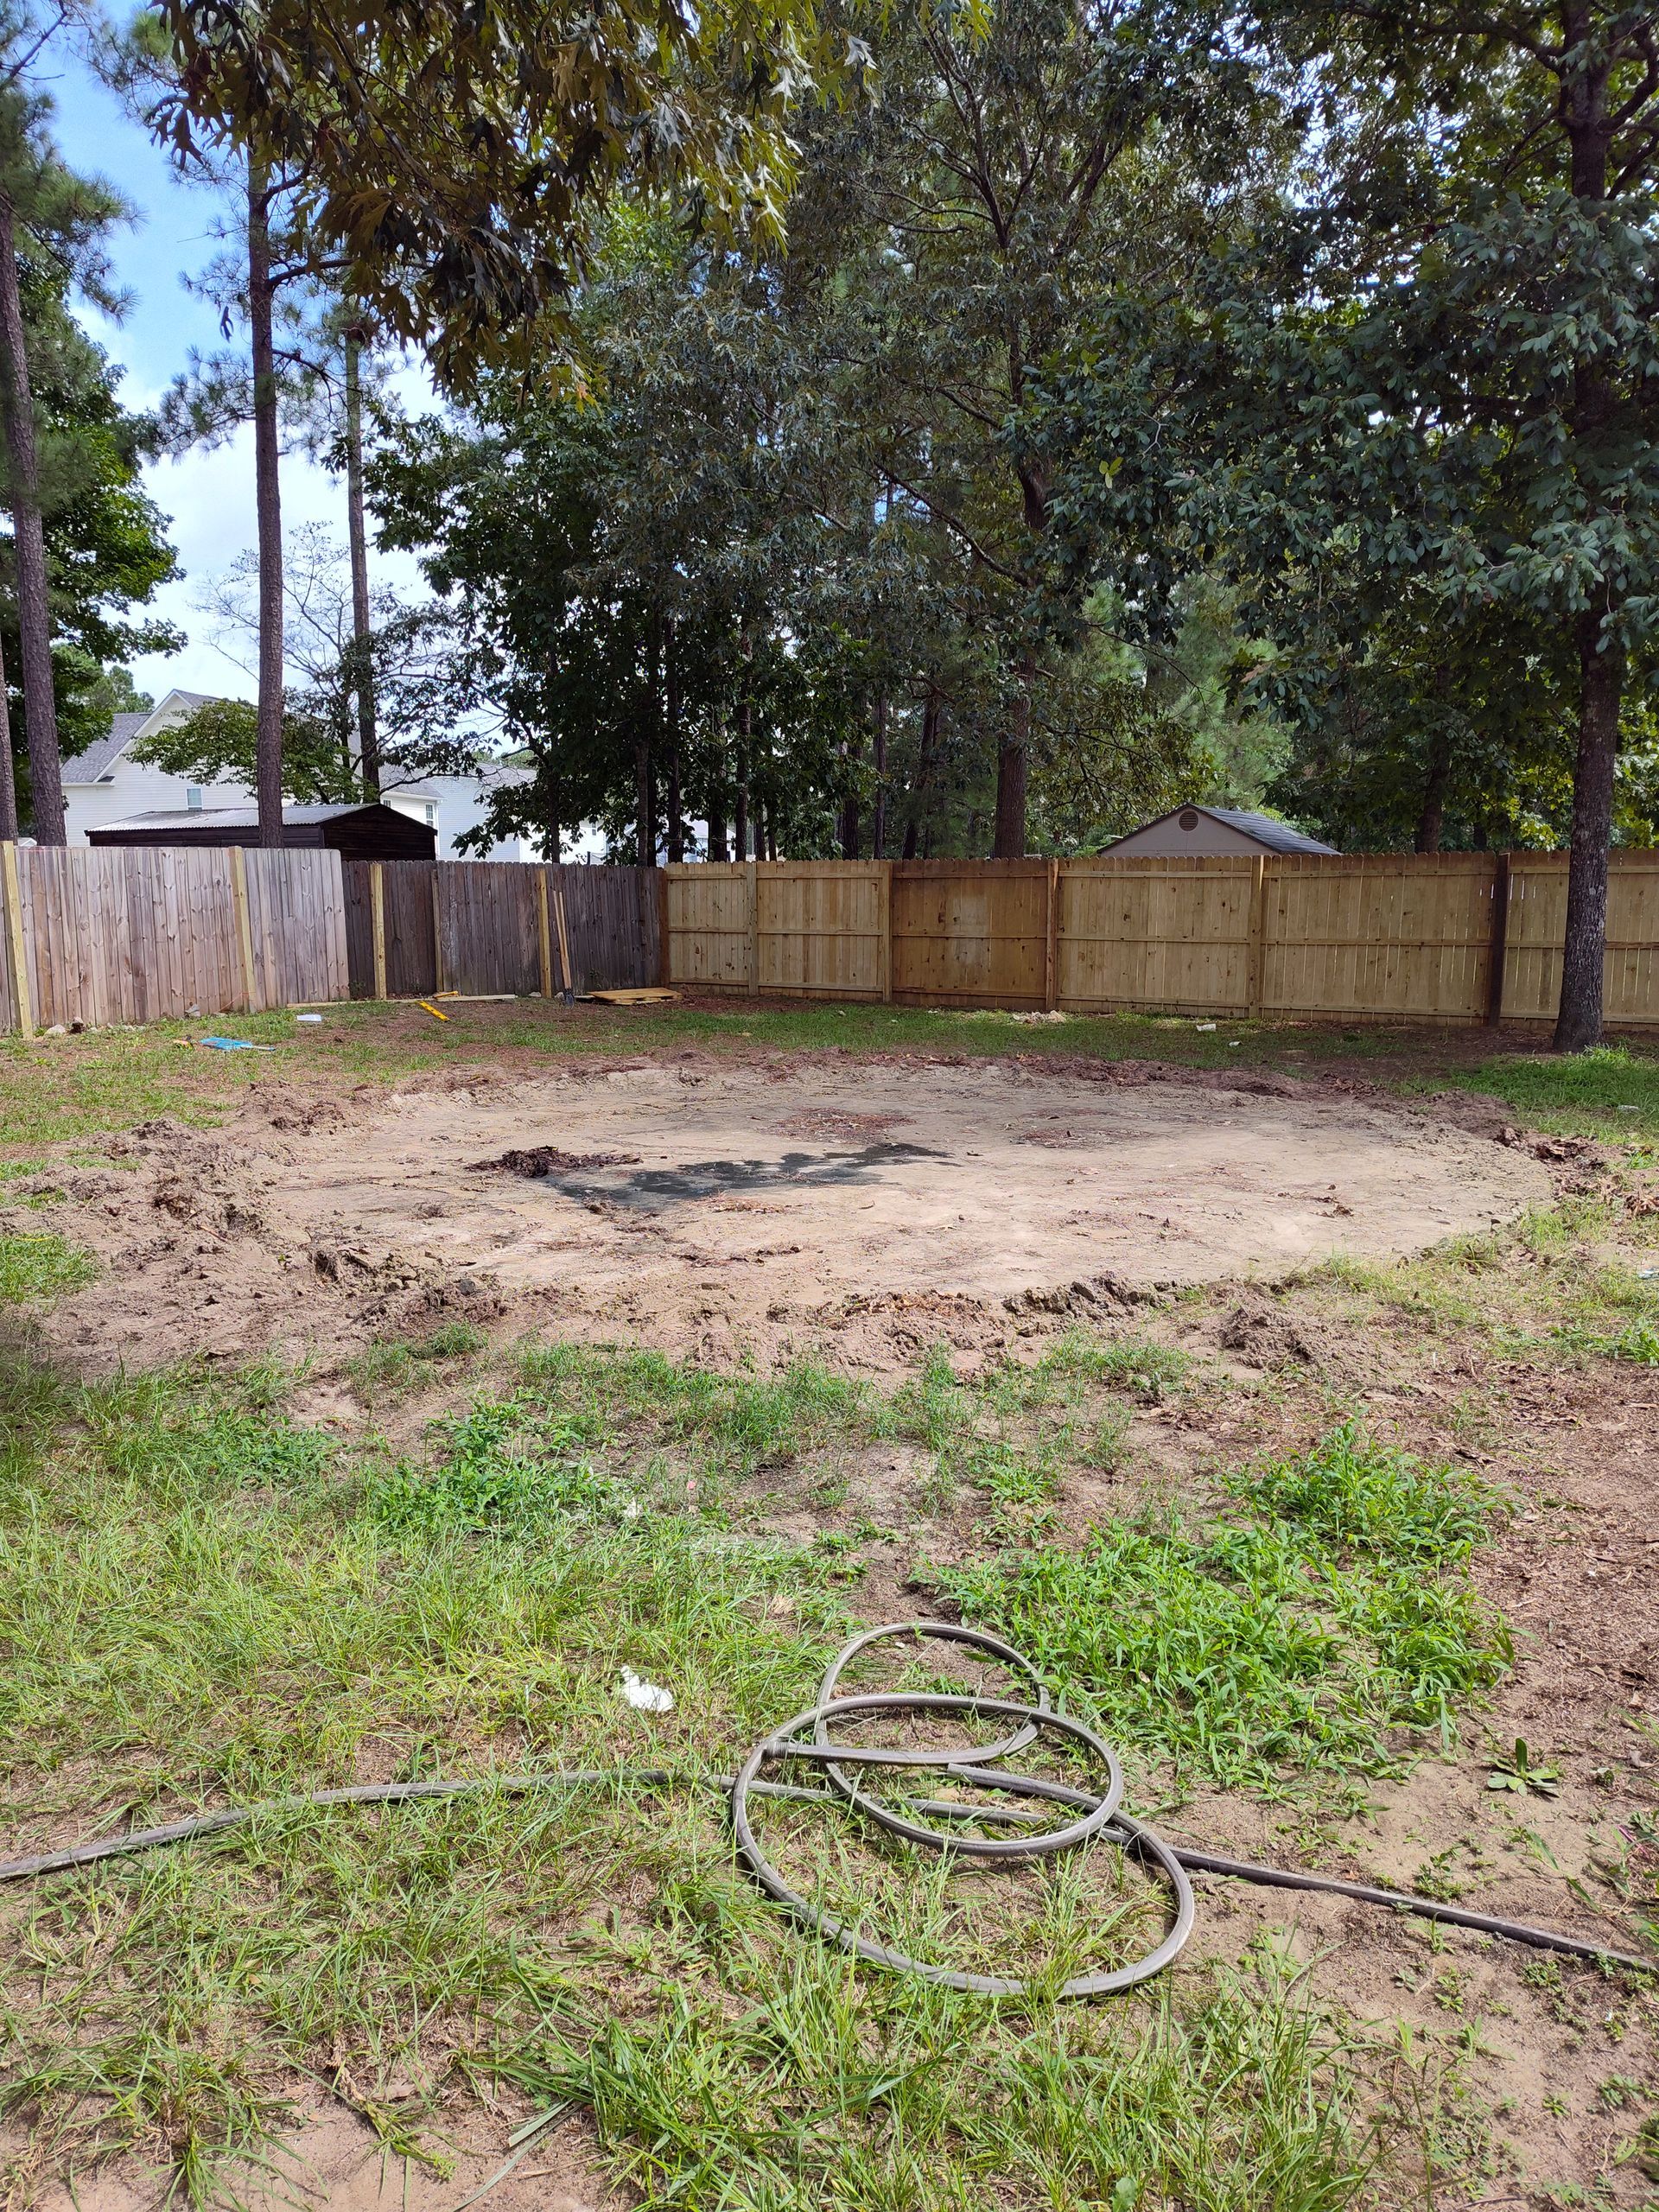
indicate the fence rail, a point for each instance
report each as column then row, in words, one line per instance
column 1454, row 938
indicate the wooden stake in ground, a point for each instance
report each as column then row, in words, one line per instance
column 564, row 950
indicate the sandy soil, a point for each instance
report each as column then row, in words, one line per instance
column 751, row 1209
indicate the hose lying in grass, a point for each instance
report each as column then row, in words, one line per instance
column 806, row 1738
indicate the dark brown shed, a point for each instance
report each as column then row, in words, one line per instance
column 359, row 833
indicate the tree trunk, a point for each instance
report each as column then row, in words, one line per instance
column 7, row 772
column 849, row 829
column 368, row 740
column 1009, row 842
column 645, row 826
column 879, row 811
column 671, row 696
column 268, row 741
column 1431, row 820
column 925, row 749
column 745, row 734
column 718, row 849
column 1578, row 1025
column 741, row 826
column 33, row 606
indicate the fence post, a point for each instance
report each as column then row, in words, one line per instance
column 378, row 923
column 885, row 895
column 437, row 931
column 755, row 926
column 12, row 897
column 546, row 945
column 1498, row 949
column 1256, row 979
column 1052, row 940
column 244, row 924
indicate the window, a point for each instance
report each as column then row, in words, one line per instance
column 193, row 795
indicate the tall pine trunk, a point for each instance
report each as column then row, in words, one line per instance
column 8, row 773
column 368, row 738
column 645, row 812
column 931, row 709
column 33, row 607
column 879, row 809
column 268, row 503
column 671, row 707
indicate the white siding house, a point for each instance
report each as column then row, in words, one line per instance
column 105, row 784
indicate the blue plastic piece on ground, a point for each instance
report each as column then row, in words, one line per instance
column 233, row 1045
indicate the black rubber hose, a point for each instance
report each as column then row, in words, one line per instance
column 807, row 1738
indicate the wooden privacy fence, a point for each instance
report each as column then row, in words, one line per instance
column 138, row 933
column 413, row 927
column 1457, row 937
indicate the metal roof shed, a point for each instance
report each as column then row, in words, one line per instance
column 357, row 833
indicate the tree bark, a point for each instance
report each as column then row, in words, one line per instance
column 1578, row 1024
column 879, row 811
column 368, row 738
column 34, row 606
column 718, row 849
column 1601, row 672
column 745, row 734
column 7, row 772
column 644, row 825
column 1431, row 820
column 925, row 749
column 1009, row 842
column 268, row 741
column 671, row 700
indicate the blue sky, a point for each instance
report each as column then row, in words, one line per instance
column 208, row 496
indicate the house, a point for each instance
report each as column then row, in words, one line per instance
column 357, row 833
column 1208, row 831
column 106, row 784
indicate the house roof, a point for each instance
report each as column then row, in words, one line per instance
column 103, row 752
column 232, row 817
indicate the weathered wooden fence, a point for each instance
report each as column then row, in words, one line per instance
column 136, row 933
column 1456, row 937
column 413, row 927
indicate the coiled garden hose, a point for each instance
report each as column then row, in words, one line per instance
column 1083, row 1815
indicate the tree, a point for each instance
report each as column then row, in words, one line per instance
column 49, row 215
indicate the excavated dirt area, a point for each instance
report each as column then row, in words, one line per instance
column 722, row 1210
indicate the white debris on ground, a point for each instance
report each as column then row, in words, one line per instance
column 645, row 1697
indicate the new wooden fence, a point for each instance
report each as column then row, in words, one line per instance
column 137, row 933
column 413, row 927
column 1457, row 937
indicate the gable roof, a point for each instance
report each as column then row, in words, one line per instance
column 1277, row 835
column 101, row 755
column 104, row 752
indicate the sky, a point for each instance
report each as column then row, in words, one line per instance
column 208, row 496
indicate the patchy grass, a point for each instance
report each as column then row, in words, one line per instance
column 1324, row 1636
column 209, row 1600
column 1613, row 1091
column 53, row 1089
column 39, row 1267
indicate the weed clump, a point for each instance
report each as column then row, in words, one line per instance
column 1305, row 1639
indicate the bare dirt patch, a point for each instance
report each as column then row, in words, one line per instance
column 680, row 1208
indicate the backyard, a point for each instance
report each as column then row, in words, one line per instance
column 379, row 1406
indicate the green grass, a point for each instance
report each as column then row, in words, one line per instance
column 207, row 1600
column 39, row 1267
column 1613, row 1091
column 1322, row 1638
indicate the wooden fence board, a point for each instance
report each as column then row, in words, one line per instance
column 708, row 926
column 1174, row 933
column 818, row 931
column 1537, row 924
column 134, row 935
column 972, row 932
